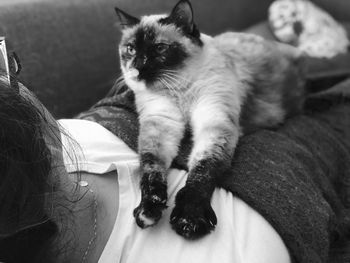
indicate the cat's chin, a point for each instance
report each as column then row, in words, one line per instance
column 136, row 85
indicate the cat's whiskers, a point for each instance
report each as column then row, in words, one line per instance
column 120, row 78
column 169, row 86
column 120, row 82
column 175, row 83
column 176, row 75
column 180, row 83
column 174, row 86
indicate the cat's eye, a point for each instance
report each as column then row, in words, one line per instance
column 162, row 47
column 131, row 49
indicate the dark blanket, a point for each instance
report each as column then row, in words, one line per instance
column 297, row 177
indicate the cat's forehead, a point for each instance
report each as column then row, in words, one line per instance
column 152, row 19
column 150, row 27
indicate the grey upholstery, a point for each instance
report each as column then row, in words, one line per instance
column 68, row 47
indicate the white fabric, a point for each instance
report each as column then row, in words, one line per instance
column 241, row 235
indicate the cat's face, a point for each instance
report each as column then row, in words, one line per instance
column 154, row 49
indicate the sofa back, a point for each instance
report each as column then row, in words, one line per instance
column 68, row 47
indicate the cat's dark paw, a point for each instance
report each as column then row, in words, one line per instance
column 153, row 183
column 154, row 194
column 149, row 211
column 193, row 222
column 153, row 202
column 193, row 219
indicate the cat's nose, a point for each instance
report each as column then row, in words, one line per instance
column 140, row 62
column 144, row 57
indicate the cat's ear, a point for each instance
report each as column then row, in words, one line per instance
column 125, row 19
column 182, row 15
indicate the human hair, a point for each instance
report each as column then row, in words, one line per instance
column 27, row 230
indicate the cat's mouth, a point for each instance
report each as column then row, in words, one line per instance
column 134, row 74
column 147, row 76
column 141, row 75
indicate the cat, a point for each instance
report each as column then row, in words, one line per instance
column 219, row 87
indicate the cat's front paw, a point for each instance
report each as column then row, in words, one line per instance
column 192, row 219
column 148, row 213
column 154, row 195
column 153, row 202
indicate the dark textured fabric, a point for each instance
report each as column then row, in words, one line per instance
column 116, row 113
column 290, row 177
column 297, row 177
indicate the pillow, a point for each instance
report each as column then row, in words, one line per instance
column 306, row 26
column 320, row 72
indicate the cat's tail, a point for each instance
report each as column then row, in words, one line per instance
column 319, row 73
column 323, row 73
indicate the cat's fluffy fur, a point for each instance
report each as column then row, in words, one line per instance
column 220, row 87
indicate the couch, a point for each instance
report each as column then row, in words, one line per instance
column 67, row 48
